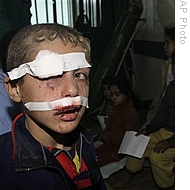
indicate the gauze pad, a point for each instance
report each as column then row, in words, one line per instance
column 58, row 104
column 48, row 64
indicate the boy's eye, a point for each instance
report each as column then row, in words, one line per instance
column 81, row 76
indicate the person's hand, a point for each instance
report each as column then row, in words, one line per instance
column 162, row 146
column 141, row 132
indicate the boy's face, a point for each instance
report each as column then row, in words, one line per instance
column 169, row 46
column 116, row 96
column 73, row 83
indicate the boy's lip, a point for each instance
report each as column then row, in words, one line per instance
column 68, row 116
column 68, row 113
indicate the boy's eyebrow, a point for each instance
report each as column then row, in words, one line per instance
column 48, row 63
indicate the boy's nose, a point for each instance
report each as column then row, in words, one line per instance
column 69, row 86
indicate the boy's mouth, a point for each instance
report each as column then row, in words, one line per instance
column 67, row 109
column 68, row 113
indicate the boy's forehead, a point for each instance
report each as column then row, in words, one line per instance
column 59, row 46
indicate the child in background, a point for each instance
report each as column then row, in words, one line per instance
column 107, row 97
column 167, row 77
column 123, row 117
column 48, row 68
column 107, row 104
column 169, row 46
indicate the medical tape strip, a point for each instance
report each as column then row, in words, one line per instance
column 48, row 64
column 57, row 104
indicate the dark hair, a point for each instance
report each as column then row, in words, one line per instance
column 123, row 85
column 169, row 31
column 125, row 88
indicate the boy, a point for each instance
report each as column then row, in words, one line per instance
column 48, row 72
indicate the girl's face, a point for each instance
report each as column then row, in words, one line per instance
column 73, row 83
column 117, row 97
column 169, row 46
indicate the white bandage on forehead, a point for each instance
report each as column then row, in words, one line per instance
column 48, row 64
column 57, row 104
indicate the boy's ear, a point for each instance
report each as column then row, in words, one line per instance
column 12, row 89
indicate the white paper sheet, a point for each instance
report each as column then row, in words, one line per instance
column 133, row 145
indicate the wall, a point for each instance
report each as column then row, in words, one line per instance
column 148, row 54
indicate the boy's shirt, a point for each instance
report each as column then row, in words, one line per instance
column 25, row 159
